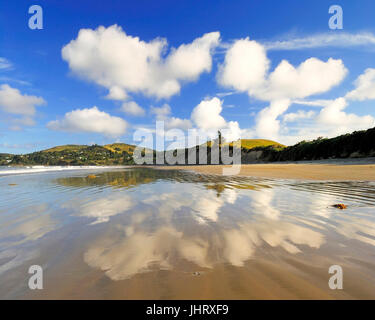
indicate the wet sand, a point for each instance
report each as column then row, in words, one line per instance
column 275, row 277
column 298, row 171
column 269, row 274
column 170, row 234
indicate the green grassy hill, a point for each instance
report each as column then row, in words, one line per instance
column 120, row 147
column 114, row 147
column 78, row 155
column 67, row 147
column 254, row 143
column 353, row 145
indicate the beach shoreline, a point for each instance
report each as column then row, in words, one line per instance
column 207, row 236
column 360, row 169
column 318, row 171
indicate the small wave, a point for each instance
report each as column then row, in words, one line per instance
column 38, row 169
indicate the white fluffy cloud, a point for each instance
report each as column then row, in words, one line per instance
column 12, row 101
column 207, row 118
column 206, row 115
column 311, row 77
column 287, row 84
column 174, row 122
column 365, row 87
column 331, row 121
column 90, row 120
column 132, row 108
column 188, row 61
column 123, row 63
column 163, row 113
column 267, row 124
column 116, row 93
column 233, row 132
column 21, row 107
column 245, row 66
column 333, row 114
column 246, row 69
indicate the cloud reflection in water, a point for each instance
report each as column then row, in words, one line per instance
column 147, row 243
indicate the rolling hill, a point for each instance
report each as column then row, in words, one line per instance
column 120, row 147
column 358, row 144
column 66, row 148
column 115, row 154
column 352, row 145
column 254, row 143
column 114, row 147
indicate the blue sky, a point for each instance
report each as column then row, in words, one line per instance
column 32, row 65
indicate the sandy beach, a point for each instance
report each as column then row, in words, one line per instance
column 340, row 171
column 141, row 233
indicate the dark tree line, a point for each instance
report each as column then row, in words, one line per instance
column 90, row 155
column 352, row 145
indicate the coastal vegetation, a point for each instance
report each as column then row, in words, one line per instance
column 354, row 145
column 358, row 144
column 5, row 159
column 75, row 155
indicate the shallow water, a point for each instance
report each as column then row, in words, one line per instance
column 159, row 234
column 10, row 170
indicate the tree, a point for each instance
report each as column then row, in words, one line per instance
column 219, row 137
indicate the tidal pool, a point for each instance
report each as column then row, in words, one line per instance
column 142, row 233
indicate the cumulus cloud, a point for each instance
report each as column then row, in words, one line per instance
column 132, row 108
column 206, row 115
column 116, row 93
column 311, row 77
column 12, row 101
column 331, row 121
column 246, row 69
column 188, row 61
column 161, row 112
column 205, row 120
column 90, row 120
column 334, row 114
column 164, row 112
column 245, row 66
column 208, row 119
column 267, row 124
column 233, row 132
column 174, row 122
column 365, row 86
column 123, row 63
column 21, row 107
